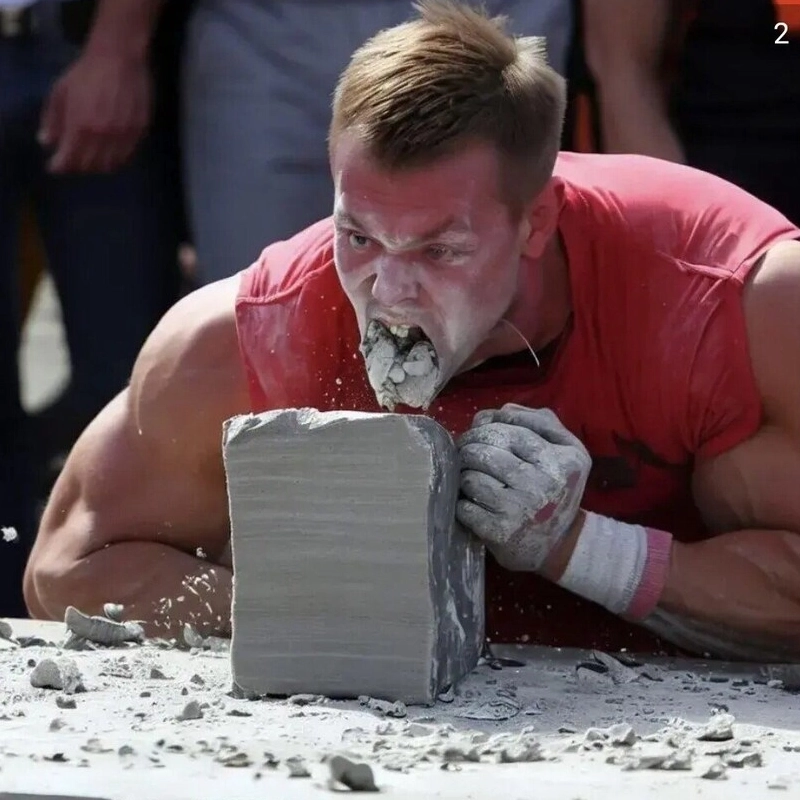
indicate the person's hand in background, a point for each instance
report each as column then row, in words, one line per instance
column 101, row 107
column 97, row 113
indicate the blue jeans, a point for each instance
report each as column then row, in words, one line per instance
column 111, row 244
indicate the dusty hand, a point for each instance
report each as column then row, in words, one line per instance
column 96, row 113
column 522, row 480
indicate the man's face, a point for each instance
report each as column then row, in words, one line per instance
column 433, row 249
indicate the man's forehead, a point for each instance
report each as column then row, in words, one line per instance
column 471, row 171
column 363, row 213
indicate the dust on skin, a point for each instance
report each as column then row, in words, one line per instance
column 434, row 255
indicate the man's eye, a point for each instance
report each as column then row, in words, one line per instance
column 358, row 241
column 439, row 252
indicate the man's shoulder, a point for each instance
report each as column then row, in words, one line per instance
column 285, row 267
column 191, row 354
column 636, row 204
column 638, row 172
column 641, row 175
column 771, row 303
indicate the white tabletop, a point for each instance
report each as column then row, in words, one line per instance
column 121, row 745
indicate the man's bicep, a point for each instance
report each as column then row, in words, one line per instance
column 149, row 467
column 755, row 484
column 116, row 486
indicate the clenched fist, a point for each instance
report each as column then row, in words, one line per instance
column 522, row 480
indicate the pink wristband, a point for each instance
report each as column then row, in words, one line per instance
column 654, row 576
column 619, row 566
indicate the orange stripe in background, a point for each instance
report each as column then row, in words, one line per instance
column 788, row 11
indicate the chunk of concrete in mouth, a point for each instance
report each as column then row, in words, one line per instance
column 400, row 369
column 351, row 575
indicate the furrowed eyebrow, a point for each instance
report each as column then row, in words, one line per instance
column 343, row 218
column 346, row 219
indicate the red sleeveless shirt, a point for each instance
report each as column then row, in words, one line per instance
column 652, row 373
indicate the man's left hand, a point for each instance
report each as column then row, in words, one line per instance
column 522, row 480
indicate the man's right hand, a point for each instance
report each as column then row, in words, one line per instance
column 522, row 480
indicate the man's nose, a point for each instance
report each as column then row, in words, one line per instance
column 394, row 283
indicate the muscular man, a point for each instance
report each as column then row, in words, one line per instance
column 626, row 329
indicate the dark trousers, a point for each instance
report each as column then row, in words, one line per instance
column 111, row 244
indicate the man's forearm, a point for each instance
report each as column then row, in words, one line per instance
column 712, row 640
column 163, row 587
column 736, row 595
column 124, row 26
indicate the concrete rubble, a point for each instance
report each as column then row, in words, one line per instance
column 155, row 720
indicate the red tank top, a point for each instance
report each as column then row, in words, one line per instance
column 652, row 373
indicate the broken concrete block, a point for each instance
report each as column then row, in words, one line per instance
column 101, row 630
column 351, row 576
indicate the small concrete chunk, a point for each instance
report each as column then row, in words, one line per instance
column 717, row 771
column 62, row 674
column 718, row 729
column 352, row 577
column 356, row 777
column 101, row 630
column 666, row 759
column 747, row 758
column 192, row 637
column 396, row 709
column 191, row 710
column 297, row 767
column 114, row 611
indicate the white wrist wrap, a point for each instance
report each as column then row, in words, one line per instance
column 619, row 566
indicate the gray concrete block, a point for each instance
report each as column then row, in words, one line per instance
column 351, row 575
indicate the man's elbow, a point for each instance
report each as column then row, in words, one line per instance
column 52, row 579
column 44, row 585
column 30, row 594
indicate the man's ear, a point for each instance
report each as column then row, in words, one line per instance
column 540, row 219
